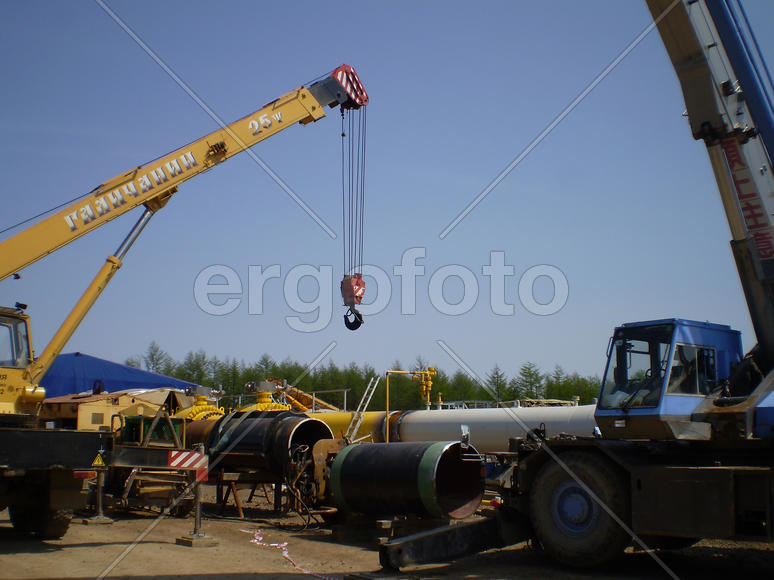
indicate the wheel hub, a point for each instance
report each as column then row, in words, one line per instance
column 573, row 509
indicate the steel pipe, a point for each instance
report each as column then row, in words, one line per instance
column 490, row 429
column 339, row 422
column 264, row 441
column 436, row 479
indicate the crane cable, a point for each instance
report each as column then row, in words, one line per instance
column 353, row 136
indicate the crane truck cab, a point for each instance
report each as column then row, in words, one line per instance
column 659, row 372
column 17, row 396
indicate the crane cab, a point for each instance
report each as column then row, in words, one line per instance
column 16, row 394
column 659, row 372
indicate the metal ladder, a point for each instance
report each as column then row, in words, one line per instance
column 357, row 417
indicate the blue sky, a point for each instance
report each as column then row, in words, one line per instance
column 618, row 197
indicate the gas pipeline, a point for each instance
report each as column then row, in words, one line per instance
column 490, row 429
column 442, row 479
column 264, row 447
column 298, row 453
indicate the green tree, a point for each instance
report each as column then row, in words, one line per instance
column 157, row 360
column 295, row 373
column 441, row 386
column 464, row 388
column 265, row 366
column 528, row 384
column 497, row 383
column 196, row 368
column 229, row 375
column 587, row 388
column 557, row 384
column 232, row 375
column 420, row 364
column 560, row 385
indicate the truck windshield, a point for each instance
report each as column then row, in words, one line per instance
column 14, row 344
column 636, row 367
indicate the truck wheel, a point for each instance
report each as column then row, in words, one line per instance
column 572, row 527
column 20, row 518
column 54, row 524
column 44, row 523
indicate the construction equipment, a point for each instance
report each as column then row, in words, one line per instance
column 27, row 480
column 686, row 419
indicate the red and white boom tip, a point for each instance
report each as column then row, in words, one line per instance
column 350, row 82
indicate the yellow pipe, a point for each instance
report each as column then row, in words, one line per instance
column 339, row 422
column 296, row 404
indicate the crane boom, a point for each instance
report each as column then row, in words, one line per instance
column 150, row 185
column 153, row 183
column 726, row 109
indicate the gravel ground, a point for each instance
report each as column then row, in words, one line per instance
column 140, row 545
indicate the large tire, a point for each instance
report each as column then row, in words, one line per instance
column 54, row 524
column 570, row 526
column 43, row 522
column 20, row 518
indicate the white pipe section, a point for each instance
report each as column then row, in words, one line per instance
column 490, row 429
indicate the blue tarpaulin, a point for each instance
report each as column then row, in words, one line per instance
column 77, row 372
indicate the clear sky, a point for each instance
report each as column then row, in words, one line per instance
column 618, row 197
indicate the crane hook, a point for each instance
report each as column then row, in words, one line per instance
column 352, row 291
column 357, row 319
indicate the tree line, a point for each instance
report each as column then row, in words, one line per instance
column 231, row 376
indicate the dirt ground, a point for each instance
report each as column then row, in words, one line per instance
column 142, row 545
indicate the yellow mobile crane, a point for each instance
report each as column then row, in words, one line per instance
column 27, row 453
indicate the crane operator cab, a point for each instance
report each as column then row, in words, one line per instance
column 659, row 372
column 15, row 356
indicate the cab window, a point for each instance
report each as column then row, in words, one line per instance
column 14, row 343
column 693, row 371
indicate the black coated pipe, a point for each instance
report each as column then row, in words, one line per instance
column 435, row 479
column 258, row 440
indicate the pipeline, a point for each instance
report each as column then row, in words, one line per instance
column 266, row 444
column 431, row 479
column 490, row 429
column 339, row 422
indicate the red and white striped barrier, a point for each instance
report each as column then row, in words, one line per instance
column 189, row 460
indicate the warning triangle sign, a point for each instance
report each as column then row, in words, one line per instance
column 98, row 461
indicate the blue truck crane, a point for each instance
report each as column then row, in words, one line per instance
column 686, row 418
